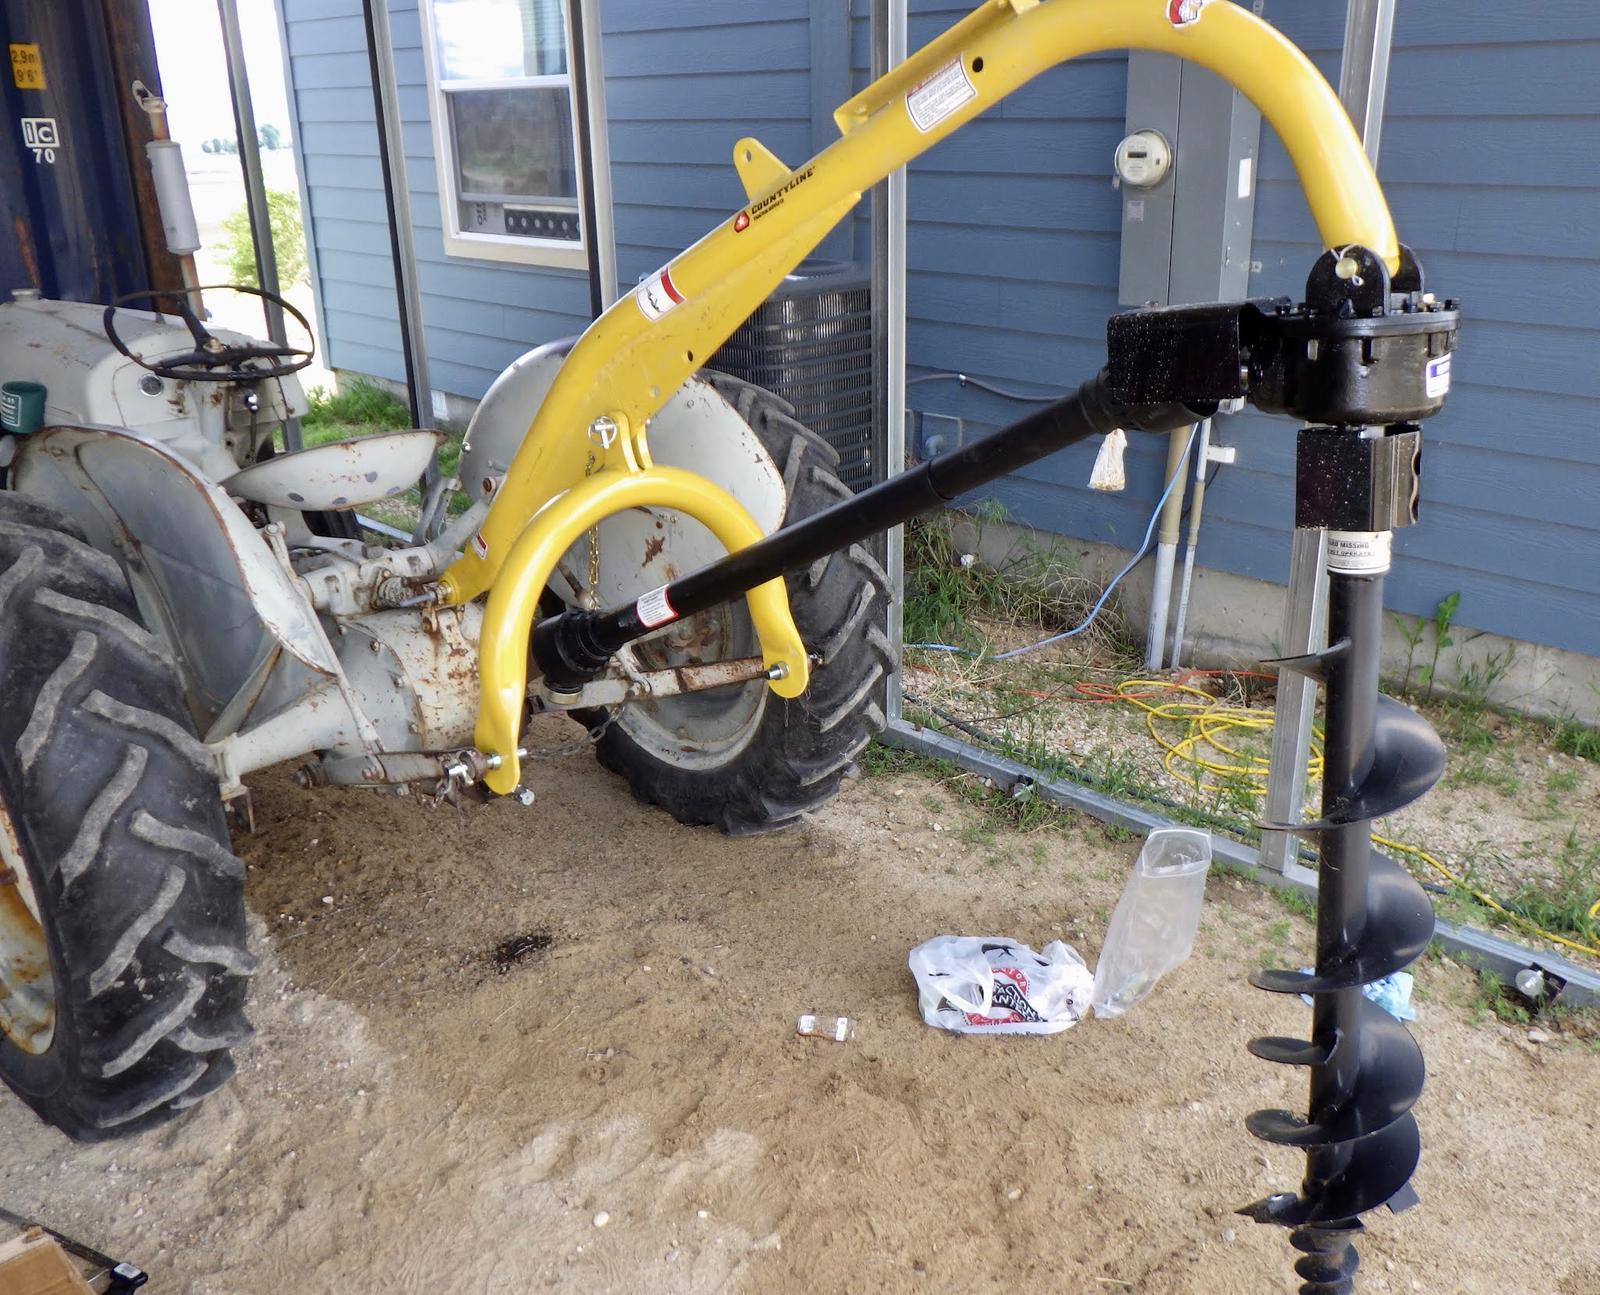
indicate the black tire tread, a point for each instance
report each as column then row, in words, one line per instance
column 115, row 803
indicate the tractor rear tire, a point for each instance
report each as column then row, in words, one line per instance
column 122, row 936
column 781, row 758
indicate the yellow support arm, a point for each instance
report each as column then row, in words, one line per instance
column 503, row 654
column 632, row 359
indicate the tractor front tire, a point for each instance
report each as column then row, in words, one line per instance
column 746, row 760
column 122, row 940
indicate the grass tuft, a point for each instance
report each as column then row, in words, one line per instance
column 1562, row 902
column 1578, row 740
column 357, row 407
column 952, row 598
column 361, row 407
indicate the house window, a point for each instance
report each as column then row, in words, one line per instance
column 504, row 106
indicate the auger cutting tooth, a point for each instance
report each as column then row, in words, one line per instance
column 1379, row 1168
column 1399, row 924
column 1313, row 664
column 1407, row 760
column 1289, row 1052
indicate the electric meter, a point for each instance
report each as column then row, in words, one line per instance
column 1143, row 159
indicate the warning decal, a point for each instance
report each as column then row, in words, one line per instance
column 658, row 294
column 1436, row 378
column 480, row 546
column 940, row 95
column 27, row 66
column 654, row 610
column 1359, row 552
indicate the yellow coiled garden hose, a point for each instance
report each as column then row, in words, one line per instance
column 1194, row 736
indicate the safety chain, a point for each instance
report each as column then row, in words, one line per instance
column 590, row 596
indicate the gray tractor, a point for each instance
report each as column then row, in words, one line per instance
column 183, row 602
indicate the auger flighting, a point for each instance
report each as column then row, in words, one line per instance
column 1357, row 476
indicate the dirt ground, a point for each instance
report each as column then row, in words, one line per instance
column 625, row 1106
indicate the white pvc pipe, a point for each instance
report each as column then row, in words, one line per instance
column 1196, row 508
column 1160, row 598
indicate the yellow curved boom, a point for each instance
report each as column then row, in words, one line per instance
column 632, row 359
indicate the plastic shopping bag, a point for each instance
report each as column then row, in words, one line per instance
column 974, row 984
column 1154, row 925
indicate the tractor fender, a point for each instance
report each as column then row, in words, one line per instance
column 204, row 576
column 697, row 430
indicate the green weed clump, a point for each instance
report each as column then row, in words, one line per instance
column 1562, row 902
column 951, row 596
column 357, row 407
column 1578, row 740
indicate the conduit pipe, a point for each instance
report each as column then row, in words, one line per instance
column 1197, row 503
column 1167, row 547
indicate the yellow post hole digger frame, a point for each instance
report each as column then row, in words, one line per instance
column 635, row 356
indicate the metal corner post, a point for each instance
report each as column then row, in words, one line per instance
column 583, row 122
column 1364, row 67
column 888, row 41
column 397, row 201
column 255, row 185
column 1363, row 86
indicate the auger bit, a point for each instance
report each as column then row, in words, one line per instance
column 1383, row 355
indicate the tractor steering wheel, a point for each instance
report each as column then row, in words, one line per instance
column 212, row 360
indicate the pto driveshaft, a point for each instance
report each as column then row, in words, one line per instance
column 576, row 646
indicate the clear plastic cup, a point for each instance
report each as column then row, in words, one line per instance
column 1153, row 928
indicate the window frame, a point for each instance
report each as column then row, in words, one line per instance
column 581, row 24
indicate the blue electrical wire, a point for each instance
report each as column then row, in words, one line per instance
column 1138, row 556
column 965, row 380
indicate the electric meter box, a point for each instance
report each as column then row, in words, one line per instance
column 1186, row 173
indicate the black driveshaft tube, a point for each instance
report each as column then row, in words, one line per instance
column 576, row 646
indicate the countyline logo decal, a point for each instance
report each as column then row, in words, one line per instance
column 772, row 201
column 1180, row 13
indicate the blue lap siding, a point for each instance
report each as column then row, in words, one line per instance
column 1491, row 158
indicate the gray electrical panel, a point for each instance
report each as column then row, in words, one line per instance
column 1186, row 236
